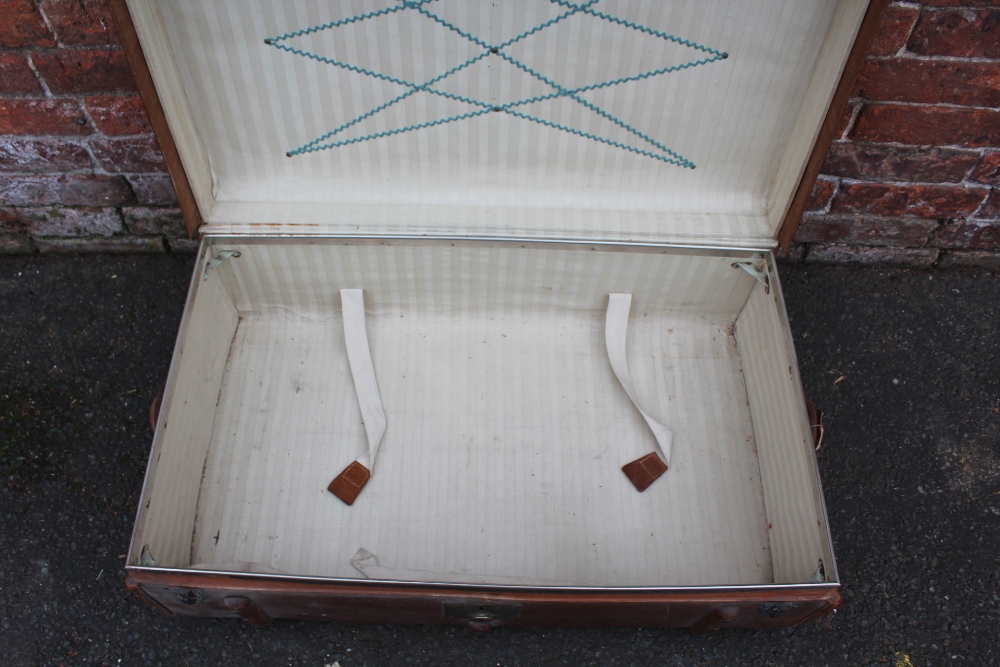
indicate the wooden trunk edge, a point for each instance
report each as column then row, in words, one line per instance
column 157, row 118
column 703, row 610
column 828, row 130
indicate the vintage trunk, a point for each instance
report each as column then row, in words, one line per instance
column 428, row 231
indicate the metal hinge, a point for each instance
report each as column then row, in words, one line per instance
column 757, row 269
column 219, row 259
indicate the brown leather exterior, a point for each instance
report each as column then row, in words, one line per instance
column 133, row 587
column 154, row 109
column 828, row 131
column 154, row 407
column 644, row 470
column 815, row 423
column 348, row 484
column 248, row 611
column 197, row 594
column 717, row 618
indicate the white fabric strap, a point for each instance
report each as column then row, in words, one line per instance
column 615, row 329
column 363, row 371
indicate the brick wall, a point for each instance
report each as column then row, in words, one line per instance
column 79, row 167
column 913, row 178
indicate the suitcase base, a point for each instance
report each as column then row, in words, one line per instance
column 501, row 468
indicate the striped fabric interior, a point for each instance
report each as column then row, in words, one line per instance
column 239, row 105
column 792, row 493
column 506, row 426
column 181, row 441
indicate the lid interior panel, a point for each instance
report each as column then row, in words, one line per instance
column 679, row 110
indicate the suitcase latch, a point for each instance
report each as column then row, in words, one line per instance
column 776, row 609
column 190, row 597
column 481, row 617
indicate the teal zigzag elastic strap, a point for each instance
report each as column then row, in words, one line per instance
column 656, row 151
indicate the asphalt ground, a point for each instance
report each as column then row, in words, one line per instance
column 904, row 363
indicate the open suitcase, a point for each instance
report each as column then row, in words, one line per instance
column 520, row 251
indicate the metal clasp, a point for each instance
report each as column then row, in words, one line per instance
column 219, row 259
column 758, row 269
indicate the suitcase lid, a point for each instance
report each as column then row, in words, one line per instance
column 615, row 120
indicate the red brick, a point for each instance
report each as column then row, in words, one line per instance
column 127, row 156
column 907, row 232
column 41, row 155
column 821, row 194
column 118, row 245
column 893, row 31
column 885, row 162
column 154, row 221
column 183, row 246
column 11, row 221
column 958, row 3
column 795, row 254
column 42, row 116
column 872, row 255
column 969, row 33
column 119, row 114
column 983, row 235
column 67, row 189
column 988, row 170
column 15, row 244
column 930, row 82
column 978, row 259
column 820, row 228
column 922, row 126
column 59, row 221
column 16, row 76
column 21, row 25
column 865, row 230
column 153, row 189
column 925, row 201
column 991, row 209
column 85, row 71
column 81, row 22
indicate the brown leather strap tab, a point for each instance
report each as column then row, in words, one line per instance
column 644, row 470
column 154, row 407
column 348, row 484
column 248, row 611
column 815, row 423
